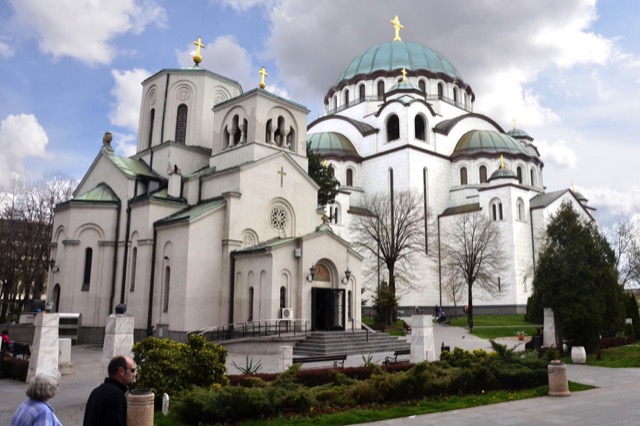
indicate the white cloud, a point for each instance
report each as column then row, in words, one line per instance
column 85, row 29
column 614, row 202
column 557, row 153
column 5, row 50
column 244, row 5
column 128, row 93
column 21, row 137
column 124, row 143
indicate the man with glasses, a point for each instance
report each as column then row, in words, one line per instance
column 107, row 404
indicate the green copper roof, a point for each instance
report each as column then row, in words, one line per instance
column 102, row 192
column 519, row 134
column 132, row 167
column 332, row 144
column 396, row 55
column 403, row 85
column 489, row 142
column 193, row 212
column 503, row 174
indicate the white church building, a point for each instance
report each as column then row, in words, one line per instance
column 215, row 219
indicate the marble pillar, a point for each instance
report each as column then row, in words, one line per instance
column 422, row 346
column 65, row 366
column 549, row 333
column 44, row 349
column 285, row 357
column 118, row 340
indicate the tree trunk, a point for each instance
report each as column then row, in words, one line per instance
column 470, row 314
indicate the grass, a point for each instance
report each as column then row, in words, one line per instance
column 495, row 326
column 619, row 357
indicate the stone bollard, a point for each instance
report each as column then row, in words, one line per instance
column 140, row 407
column 578, row 355
column 558, row 381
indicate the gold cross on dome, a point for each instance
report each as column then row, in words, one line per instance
column 282, row 174
column 397, row 26
column 502, row 161
column 404, row 75
column 197, row 58
column 262, row 73
column 514, row 123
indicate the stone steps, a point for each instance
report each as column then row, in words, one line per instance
column 349, row 343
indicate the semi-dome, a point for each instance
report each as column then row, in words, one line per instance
column 488, row 142
column 503, row 174
column 519, row 134
column 397, row 55
column 334, row 145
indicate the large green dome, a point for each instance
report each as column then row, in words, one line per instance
column 333, row 145
column 396, row 55
column 487, row 142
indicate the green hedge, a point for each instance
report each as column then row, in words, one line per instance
column 458, row 372
column 15, row 368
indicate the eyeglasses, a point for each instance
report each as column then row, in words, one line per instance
column 133, row 370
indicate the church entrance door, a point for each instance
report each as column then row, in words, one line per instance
column 327, row 309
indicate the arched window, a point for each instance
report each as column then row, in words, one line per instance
column 381, row 88
column 152, row 118
column 134, row 261
column 533, row 177
column 346, row 97
column 419, row 127
column 331, row 171
column 455, row 94
column 519, row 173
column 496, row 210
column 440, row 91
column 167, row 287
column 483, row 174
column 235, row 128
column 463, row 176
column 86, row 277
column 181, row 124
column 55, row 298
column 361, row 92
column 250, row 304
column 422, row 86
column 283, row 297
column 335, row 101
column 520, row 209
column 349, row 177
column 393, row 128
column 334, row 213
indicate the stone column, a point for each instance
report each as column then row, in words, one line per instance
column 64, row 359
column 44, row 349
column 140, row 407
column 422, row 346
column 285, row 357
column 118, row 340
column 549, row 334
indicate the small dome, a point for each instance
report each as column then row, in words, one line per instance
column 503, row 174
column 519, row 134
column 332, row 144
column 492, row 143
column 403, row 85
column 396, row 55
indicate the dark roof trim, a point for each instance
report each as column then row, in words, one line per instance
column 507, row 154
column 262, row 92
column 466, row 208
column 364, row 128
column 385, row 104
column 359, row 211
column 194, row 70
column 444, row 127
column 400, row 148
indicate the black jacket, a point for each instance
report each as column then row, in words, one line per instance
column 107, row 405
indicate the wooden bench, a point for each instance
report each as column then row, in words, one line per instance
column 394, row 359
column 21, row 349
column 337, row 359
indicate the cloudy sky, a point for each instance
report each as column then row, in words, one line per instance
column 567, row 71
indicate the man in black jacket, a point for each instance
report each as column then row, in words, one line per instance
column 107, row 404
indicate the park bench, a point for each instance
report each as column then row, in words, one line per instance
column 394, row 359
column 337, row 359
column 21, row 349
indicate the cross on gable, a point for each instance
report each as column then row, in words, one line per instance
column 282, row 174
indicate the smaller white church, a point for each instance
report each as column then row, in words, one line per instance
column 213, row 221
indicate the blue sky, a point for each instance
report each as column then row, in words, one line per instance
column 568, row 71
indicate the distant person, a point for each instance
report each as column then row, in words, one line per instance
column 7, row 343
column 107, row 404
column 35, row 411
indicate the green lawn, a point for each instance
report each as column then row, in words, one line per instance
column 620, row 357
column 494, row 326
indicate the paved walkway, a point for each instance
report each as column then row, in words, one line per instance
column 615, row 402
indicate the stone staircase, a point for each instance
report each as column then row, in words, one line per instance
column 348, row 343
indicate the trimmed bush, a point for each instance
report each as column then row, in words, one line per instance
column 16, row 369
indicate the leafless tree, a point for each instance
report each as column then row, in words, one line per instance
column 393, row 233
column 26, row 220
column 624, row 239
column 471, row 246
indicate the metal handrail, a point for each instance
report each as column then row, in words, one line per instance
column 256, row 328
column 362, row 325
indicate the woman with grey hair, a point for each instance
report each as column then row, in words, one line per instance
column 35, row 411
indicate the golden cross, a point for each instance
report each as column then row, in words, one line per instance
column 263, row 73
column 197, row 58
column 514, row 123
column 573, row 187
column 397, row 26
column 501, row 161
column 282, row 174
column 404, row 75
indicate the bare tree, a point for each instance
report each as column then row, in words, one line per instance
column 471, row 246
column 623, row 238
column 392, row 232
column 453, row 284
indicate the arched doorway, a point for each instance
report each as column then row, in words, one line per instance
column 55, row 298
column 328, row 305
